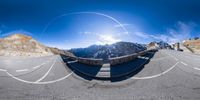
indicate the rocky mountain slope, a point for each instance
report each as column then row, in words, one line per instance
column 108, row 51
column 158, row 45
column 194, row 45
column 22, row 45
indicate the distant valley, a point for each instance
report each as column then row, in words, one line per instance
column 22, row 45
column 108, row 51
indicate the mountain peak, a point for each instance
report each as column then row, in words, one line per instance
column 22, row 45
column 18, row 36
column 108, row 51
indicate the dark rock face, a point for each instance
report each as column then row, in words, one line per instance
column 163, row 44
column 108, row 51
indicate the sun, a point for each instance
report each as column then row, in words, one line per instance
column 107, row 39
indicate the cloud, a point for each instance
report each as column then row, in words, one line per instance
column 17, row 31
column 107, row 39
column 88, row 33
column 141, row 34
column 178, row 33
column 101, row 38
column 122, row 25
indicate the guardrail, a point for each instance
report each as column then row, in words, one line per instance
column 90, row 61
column 123, row 59
column 72, row 57
column 113, row 61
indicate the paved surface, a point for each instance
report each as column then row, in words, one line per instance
column 104, row 71
column 169, row 75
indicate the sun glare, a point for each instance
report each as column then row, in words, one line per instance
column 107, row 39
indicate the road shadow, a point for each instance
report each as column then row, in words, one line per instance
column 126, row 70
column 85, row 71
column 118, row 72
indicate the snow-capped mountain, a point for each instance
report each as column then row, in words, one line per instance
column 108, row 51
column 158, row 45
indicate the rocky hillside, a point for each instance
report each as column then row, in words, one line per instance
column 57, row 51
column 22, row 45
column 108, row 51
column 194, row 45
column 158, row 45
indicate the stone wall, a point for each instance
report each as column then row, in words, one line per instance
column 90, row 61
column 122, row 59
column 113, row 61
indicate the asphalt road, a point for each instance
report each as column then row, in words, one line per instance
column 169, row 75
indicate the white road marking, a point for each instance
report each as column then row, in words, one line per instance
column 46, row 72
column 157, row 75
column 196, row 68
column 22, row 70
column 189, row 55
column 19, row 78
column 143, row 57
column 38, row 66
column 69, row 62
column 184, row 63
column 3, row 70
column 37, row 82
column 56, row 80
column 48, row 82
column 192, row 55
column 175, row 58
column 157, row 59
column 172, row 56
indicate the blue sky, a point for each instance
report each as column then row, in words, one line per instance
column 144, row 21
